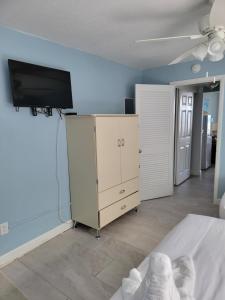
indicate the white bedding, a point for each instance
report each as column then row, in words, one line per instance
column 203, row 239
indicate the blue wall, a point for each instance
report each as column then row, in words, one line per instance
column 28, row 199
column 167, row 74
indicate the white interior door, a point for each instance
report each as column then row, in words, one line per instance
column 183, row 136
column 155, row 105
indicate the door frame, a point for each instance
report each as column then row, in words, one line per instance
column 201, row 80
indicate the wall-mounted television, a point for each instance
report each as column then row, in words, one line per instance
column 38, row 86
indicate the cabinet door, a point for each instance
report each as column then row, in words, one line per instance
column 129, row 148
column 108, row 152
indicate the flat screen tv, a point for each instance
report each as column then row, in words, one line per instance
column 38, row 86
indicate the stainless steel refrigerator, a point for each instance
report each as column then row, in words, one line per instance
column 206, row 142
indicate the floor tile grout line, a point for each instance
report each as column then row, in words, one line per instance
column 107, row 284
column 44, row 279
column 128, row 244
column 107, row 264
column 10, row 281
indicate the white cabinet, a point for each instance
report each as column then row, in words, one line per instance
column 104, row 167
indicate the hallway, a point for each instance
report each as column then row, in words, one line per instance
column 76, row 266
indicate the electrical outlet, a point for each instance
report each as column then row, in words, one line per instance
column 4, row 228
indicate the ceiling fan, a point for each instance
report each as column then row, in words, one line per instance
column 212, row 33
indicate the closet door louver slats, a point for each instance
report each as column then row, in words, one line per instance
column 155, row 105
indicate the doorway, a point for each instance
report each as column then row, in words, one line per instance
column 196, row 132
column 155, row 106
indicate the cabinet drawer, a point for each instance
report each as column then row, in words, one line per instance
column 117, row 193
column 117, row 209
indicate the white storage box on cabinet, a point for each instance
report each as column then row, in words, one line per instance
column 104, row 167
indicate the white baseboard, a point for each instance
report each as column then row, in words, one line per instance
column 9, row 257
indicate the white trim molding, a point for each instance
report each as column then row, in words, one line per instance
column 198, row 80
column 219, row 140
column 9, row 257
column 195, row 81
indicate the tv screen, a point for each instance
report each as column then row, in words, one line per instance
column 38, row 86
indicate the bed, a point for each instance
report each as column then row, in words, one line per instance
column 202, row 238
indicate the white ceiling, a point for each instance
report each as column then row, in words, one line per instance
column 109, row 28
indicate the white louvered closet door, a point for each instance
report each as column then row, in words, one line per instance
column 155, row 105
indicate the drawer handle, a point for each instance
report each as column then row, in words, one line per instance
column 140, row 151
column 122, row 191
column 123, row 142
column 119, row 143
column 123, row 207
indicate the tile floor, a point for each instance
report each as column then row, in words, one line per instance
column 8, row 291
column 76, row 266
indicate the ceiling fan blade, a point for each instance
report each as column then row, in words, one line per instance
column 217, row 14
column 192, row 37
column 199, row 52
column 181, row 57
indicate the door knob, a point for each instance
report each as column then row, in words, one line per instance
column 140, row 151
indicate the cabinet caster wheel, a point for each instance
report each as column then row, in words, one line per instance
column 75, row 224
column 98, row 235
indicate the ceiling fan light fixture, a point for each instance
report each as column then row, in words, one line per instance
column 200, row 52
column 220, row 33
column 216, row 58
column 216, row 46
